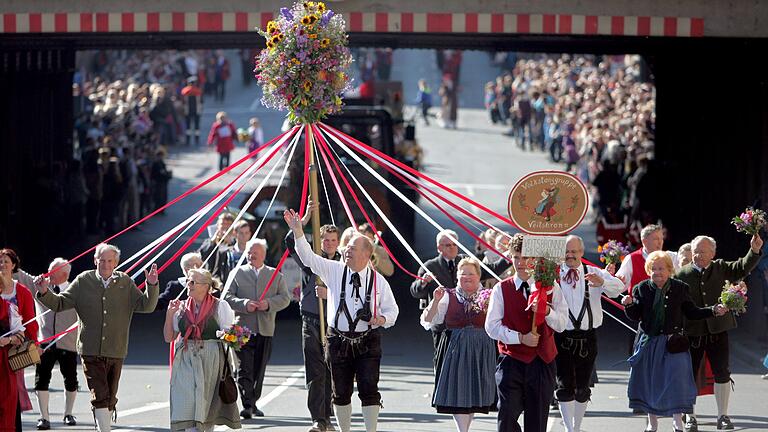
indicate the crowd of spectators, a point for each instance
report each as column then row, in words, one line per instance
column 595, row 115
column 129, row 107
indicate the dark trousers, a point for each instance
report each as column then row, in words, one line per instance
column 254, row 357
column 223, row 160
column 716, row 347
column 67, row 365
column 193, row 128
column 575, row 361
column 103, row 376
column 524, row 387
column 352, row 362
column 317, row 372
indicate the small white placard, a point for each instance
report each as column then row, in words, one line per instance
column 552, row 247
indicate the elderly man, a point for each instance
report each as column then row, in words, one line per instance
column 706, row 277
column 105, row 300
column 256, row 309
column 582, row 285
column 652, row 237
column 63, row 351
column 316, row 370
column 177, row 288
column 525, row 374
column 359, row 302
column 214, row 250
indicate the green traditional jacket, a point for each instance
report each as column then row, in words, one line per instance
column 705, row 289
column 104, row 314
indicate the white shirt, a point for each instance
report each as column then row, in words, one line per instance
column 225, row 316
column 574, row 294
column 442, row 309
column 15, row 319
column 331, row 273
column 626, row 267
column 556, row 320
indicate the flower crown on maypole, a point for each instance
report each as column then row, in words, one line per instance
column 303, row 68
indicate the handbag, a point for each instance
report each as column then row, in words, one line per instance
column 677, row 343
column 23, row 355
column 227, row 387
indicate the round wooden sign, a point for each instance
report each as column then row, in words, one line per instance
column 548, row 203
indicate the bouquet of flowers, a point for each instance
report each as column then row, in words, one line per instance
column 303, row 68
column 479, row 304
column 612, row 252
column 734, row 297
column 751, row 221
column 235, row 336
column 545, row 272
column 243, row 135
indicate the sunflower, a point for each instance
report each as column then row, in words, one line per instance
column 325, row 42
column 272, row 27
column 275, row 39
column 312, row 36
column 270, row 45
column 307, row 86
column 308, row 5
column 320, row 7
column 306, row 20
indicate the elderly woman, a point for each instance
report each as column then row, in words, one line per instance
column 661, row 378
column 176, row 289
column 10, row 334
column 466, row 355
column 200, row 357
column 19, row 295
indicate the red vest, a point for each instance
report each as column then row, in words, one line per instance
column 457, row 317
column 638, row 268
column 518, row 319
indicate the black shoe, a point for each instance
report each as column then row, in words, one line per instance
column 43, row 424
column 724, row 422
column 70, row 420
column 691, row 425
column 246, row 413
column 257, row 412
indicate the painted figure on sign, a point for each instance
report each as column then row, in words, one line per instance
column 546, row 205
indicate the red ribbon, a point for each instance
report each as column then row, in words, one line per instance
column 56, row 335
column 540, row 297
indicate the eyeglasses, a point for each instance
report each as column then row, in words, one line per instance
column 192, row 282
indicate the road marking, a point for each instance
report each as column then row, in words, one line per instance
column 263, row 402
column 152, row 406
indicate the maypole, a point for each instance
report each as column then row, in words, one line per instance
column 315, row 209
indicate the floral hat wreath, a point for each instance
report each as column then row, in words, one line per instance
column 303, row 68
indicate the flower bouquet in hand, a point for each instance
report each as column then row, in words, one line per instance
column 612, row 252
column 479, row 304
column 235, row 336
column 545, row 273
column 751, row 221
column 734, row 297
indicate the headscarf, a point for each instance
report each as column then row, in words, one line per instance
column 197, row 319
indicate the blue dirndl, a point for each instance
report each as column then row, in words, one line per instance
column 467, row 383
column 660, row 382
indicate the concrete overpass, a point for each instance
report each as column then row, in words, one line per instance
column 643, row 18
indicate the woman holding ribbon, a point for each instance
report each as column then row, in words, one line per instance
column 10, row 334
column 661, row 378
column 200, row 357
column 19, row 295
column 466, row 364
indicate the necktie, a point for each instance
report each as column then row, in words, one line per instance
column 56, row 289
column 526, row 289
column 355, row 285
column 452, row 271
column 572, row 277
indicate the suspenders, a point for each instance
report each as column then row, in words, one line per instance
column 585, row 308
column 343, row 303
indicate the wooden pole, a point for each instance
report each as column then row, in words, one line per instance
column 316, row 242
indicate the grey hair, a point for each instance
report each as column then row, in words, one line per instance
column 186, row 259
column 685, row 247
column 102, row 247
column 256, row 241
column 698, row 240
column 446, row 233
column 648, row 230
column 575, row 237
column 60, row 264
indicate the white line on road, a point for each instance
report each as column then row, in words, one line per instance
column 263, row 402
